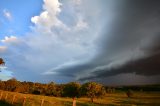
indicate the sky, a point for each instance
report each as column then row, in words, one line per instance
column 114, row 42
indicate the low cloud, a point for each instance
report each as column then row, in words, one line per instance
column 10, row 39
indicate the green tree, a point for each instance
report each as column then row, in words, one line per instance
column 51, row 89
column 2, row 85
column 59, row 90
column 92, row 90
column 12, row 84
column 23, row 87
column 72, row 90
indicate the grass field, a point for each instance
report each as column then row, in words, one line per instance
column 115, row 99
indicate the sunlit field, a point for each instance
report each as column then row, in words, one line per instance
column 114, row 99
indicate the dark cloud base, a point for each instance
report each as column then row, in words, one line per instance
column 147, row 66
column 136, row 27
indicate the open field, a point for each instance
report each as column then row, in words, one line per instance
column 115, row 99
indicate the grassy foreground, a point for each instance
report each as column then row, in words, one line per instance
column 115, row 99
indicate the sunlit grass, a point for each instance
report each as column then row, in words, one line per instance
column 114, row 99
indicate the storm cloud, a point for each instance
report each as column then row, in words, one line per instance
column 131, row 44
column 89, row 40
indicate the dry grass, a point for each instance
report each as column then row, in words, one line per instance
column 116, row 99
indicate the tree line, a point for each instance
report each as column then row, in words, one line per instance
column 71, row 89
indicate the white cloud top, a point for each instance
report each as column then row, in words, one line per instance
column 48, row 18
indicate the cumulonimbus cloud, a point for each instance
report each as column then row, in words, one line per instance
column 89, row 42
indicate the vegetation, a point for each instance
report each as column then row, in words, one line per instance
column 92, row 90
column 72, row 89
column 110, row 99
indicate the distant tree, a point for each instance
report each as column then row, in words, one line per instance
column 59, row 90
column 38, row 88
column 72, row 90
column 92, row 90
column 50, row 89
column 22, row 88
column 12, row 84
column 2, row 85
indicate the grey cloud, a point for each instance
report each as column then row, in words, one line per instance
column 131, row 45
column 136, row 29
